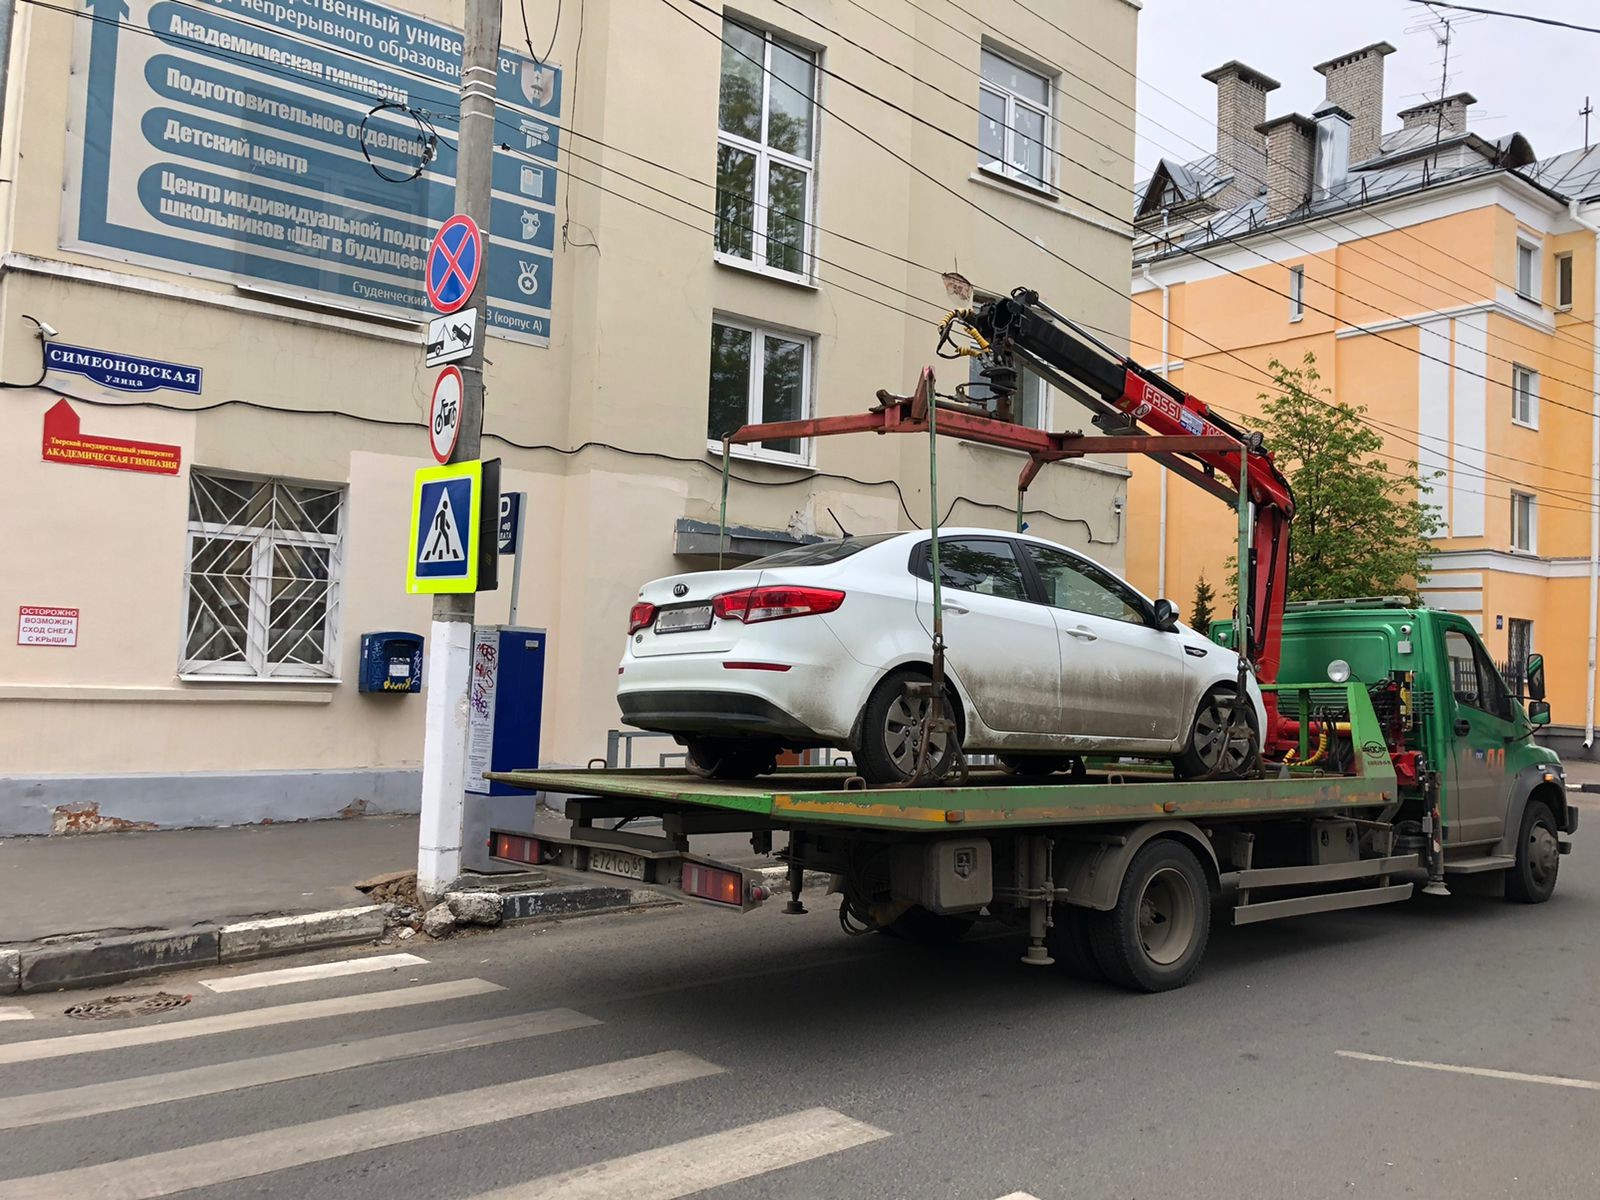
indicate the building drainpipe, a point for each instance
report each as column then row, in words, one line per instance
column 1573, row 210
column 1161, row 536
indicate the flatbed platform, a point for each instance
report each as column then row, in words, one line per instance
column 989, row 799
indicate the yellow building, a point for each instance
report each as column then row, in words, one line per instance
column 1445, row 281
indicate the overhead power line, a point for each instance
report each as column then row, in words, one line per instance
column 1513, row 16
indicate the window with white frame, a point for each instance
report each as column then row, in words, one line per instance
column 1524, row 522
column 758, row 375
column 1014, row 105
column 265, row 560
column 1030, row 403
column 1297, row 293
column 1525, row 396
column 1564, row 280
column 1528, row 270
column 766, row 147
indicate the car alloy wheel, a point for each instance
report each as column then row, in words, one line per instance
column 905, row 727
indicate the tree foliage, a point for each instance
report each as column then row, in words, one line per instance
column 1203, row 612
column 1360, row 528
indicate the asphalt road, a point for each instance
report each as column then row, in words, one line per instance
column 692, row 1052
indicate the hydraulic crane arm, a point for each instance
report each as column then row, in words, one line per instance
column 1124, row 397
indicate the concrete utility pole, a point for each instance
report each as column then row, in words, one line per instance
column 444, row 751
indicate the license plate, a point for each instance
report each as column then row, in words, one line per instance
column 615, row 862
column 684, row 620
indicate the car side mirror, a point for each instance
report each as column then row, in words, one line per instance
column 1166, row 614
column 1538, row 712
column 1535, row 677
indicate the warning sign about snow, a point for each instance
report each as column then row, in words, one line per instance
column 39, row 626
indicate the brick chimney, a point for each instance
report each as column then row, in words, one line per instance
column 1355, row 84
column 1448, row 115
column 1241, row 107
column 1291, row 151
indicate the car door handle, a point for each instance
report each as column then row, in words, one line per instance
column 954, row 609
column 1082, row 634
column 1463, row 727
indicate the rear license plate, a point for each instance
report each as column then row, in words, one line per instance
column 684, row 620
column 615, row 862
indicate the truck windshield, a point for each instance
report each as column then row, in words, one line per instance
column 820, row 554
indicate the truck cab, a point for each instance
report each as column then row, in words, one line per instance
column 1466, row 727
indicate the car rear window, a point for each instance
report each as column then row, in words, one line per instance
column 820, row 554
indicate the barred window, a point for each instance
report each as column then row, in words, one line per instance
column 265, row 561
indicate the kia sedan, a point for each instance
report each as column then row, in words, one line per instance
column 1049, row 657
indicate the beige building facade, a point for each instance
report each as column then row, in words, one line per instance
column 701, row 217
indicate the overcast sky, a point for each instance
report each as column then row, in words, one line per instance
column 1526, row 77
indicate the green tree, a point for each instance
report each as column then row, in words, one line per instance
column 1202, row 613
column 1360, row 527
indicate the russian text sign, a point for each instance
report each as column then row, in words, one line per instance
column 65, row 442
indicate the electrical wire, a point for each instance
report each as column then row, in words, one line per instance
column 1514, row 16
column 528, row 36
column 427, row 138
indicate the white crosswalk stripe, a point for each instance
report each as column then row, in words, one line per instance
column 14, row 1012
column 327, row 970
column 41, row 1108
column 703, row 1162
column 169, row 1171
column 172, row 1031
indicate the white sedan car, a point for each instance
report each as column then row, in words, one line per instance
column 1049, row 657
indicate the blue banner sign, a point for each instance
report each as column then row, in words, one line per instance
column 224, row 139
column 125, row 372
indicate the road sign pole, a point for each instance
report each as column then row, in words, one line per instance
column 516, row 557
column 444, row 751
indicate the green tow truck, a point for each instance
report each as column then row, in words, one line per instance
column 1394, row 754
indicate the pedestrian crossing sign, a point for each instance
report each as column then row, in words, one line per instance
column 446, row 528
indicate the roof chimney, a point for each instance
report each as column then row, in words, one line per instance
column 1355, row 84
column 1291, row 144
column 1241, row 107
column 1448, row 115
column 1333, row 150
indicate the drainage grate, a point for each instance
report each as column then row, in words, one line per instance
column 115, row 1008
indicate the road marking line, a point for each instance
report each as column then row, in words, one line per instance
column 41, row 1108
column 1589, row 1085
column 252, row 1154
column 12, row 1012
column 282, row 1014
column 328, row 970
column 704, row 1162
column 1019, row 1196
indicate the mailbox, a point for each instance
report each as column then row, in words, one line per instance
column 391, row 662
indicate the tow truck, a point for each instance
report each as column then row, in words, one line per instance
column 1394, row 753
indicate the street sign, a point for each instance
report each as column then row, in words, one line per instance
column 445, row 529
column 454, row 260
column 510, row 520
column 451, row 337
column 444, row 413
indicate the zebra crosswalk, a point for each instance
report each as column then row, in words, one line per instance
column 164, row 1160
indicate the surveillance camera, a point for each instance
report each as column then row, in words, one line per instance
column 47, row 329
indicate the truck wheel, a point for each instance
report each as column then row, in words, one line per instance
column 1068, row 942
column 891, row 733
column 1210, row 753
column 1533, row 878
column 1155, row 937
column 919, row 925
column 729, row 758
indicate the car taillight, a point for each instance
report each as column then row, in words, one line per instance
column 642, row 617
column 775, row 603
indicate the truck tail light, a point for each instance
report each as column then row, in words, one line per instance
column 775, row 603
column 515, row 848
column 642, row 617
column 713, row 883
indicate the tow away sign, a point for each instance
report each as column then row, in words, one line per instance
column 451, row 338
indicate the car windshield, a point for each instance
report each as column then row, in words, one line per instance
column 819, row 554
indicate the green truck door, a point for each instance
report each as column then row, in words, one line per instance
column 1481, row 720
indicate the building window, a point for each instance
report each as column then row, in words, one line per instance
column 1528, row 270
column 1525, row 397
column 265, row 560
column 1519, row 644
column 1564, row 281
column 758, row 376
column 766, row 145
column 1297, row 293
column 1524, row 523
column 1013, row 123
column 1030, row 403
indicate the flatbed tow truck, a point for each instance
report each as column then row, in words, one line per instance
column 1399, row 756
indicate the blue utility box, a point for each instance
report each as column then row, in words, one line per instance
column 506, row 704
column 391, row 662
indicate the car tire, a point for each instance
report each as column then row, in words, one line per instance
column 1532, row 879
column 730, row 758
column 1156, row 935
column 1208, row 753
column 926, row 928
column 888, row 745
column 1068, row 942
column 1043, row 764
